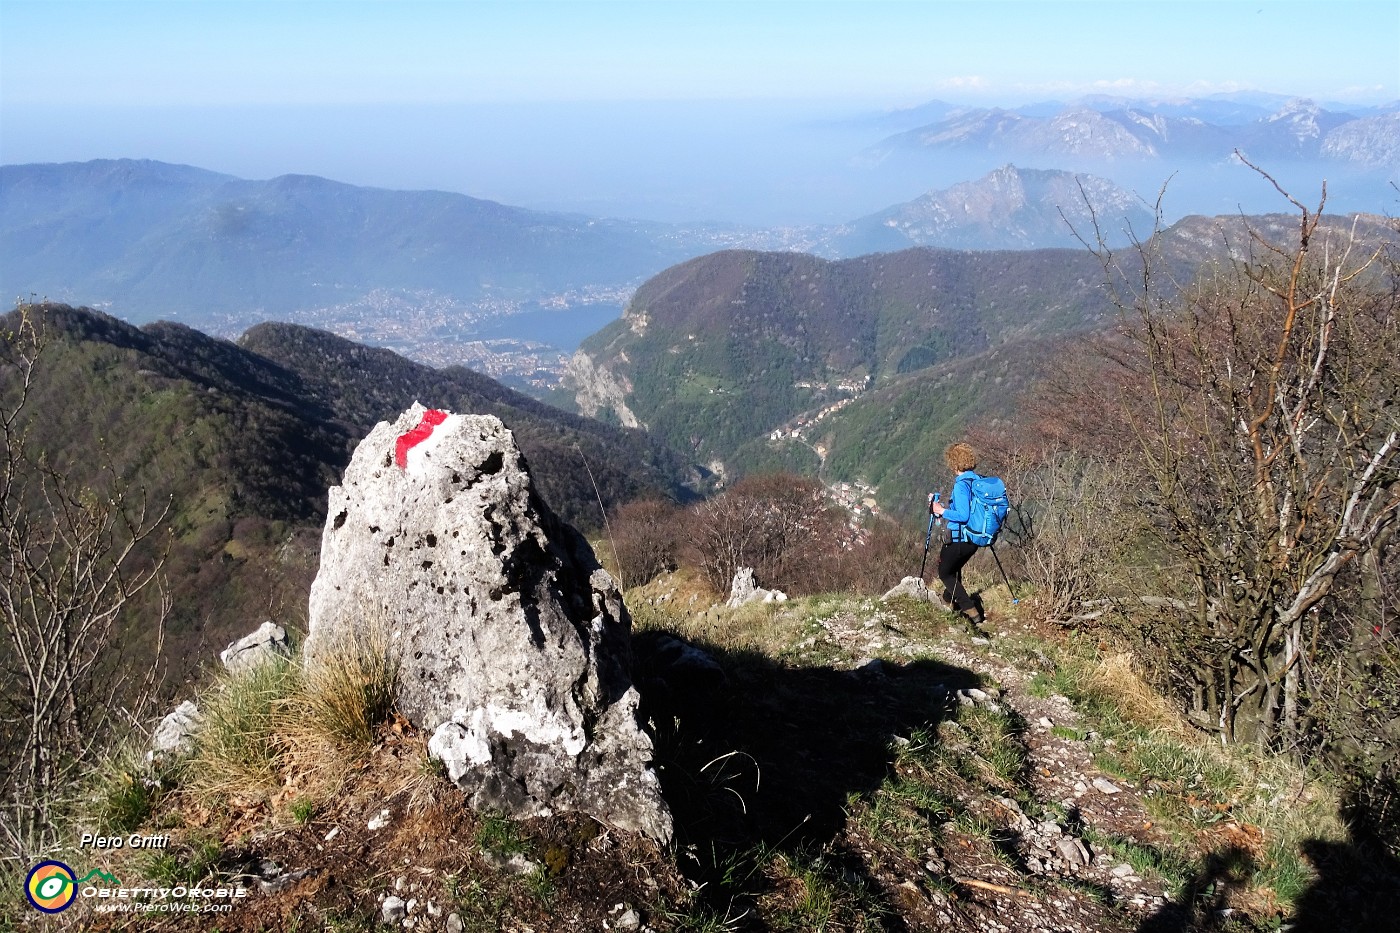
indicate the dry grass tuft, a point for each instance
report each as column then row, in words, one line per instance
column 349, row 690
column 312, row 765
column 279, row 734
column 1114, row 680
column 242, row 735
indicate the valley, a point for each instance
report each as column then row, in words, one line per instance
column 451, row 279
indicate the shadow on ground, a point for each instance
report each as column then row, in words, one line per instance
column 1357, row 888
column 767, row 757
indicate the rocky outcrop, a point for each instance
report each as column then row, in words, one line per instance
column 268, row 643
column 513, row 643
column 597, row 389
column 175, row 734
column 911, row 588
column 743, row 589
column 1373, row 142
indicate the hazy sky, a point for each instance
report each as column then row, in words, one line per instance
column 900, row 53
column 566, row 104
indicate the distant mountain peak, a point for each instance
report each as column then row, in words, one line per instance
column 1294, row 106
column 1008, row 208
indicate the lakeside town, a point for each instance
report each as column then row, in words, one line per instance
column 524, row 343
column 438, row 330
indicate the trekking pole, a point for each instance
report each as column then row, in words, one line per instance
column 1014, row 600
column 932, row 498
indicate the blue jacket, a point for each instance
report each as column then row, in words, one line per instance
column 959, row 508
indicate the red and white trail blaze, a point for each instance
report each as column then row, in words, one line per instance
column 413, row 448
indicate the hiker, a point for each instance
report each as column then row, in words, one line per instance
column 957, row 550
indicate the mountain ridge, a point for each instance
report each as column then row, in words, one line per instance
column 1127, row 130
column 244, row 441
column 749, row 361
column 1008, row 208
column 152, row 240
column 721, row 350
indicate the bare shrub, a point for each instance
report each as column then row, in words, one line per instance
column 1074, row 524
column 646, row 539
column 1264, row 449
column 779, row 524
column 876, row 560
column 74, row 559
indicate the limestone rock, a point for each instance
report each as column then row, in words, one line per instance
column 268, row 642
column 175, row 734
column 393, row 910
column 513, row 642
column 597, row 389
column 912, row 587
column 676, row 665
column 743, row 589
column 1073, row 850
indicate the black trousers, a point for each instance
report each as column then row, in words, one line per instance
column 951, row 559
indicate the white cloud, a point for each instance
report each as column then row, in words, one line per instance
column 963, row 83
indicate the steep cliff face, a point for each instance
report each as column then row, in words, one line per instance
column 1373, row 142
column 597, row 390
column 514, row 644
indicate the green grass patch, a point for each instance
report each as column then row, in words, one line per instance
column 188, row 863
column 241, row 735
column 1170, row 864
column 1225, row 802
column 125, row 793
column 303, row 809
column 988, row 749
column 810, row 893
column 1286, row 872
column 502, row 836
column 909, row 808
column 539, row 884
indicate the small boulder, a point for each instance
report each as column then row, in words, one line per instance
column 394, row 909
column 175, row 733
column 913, row 589
column 742, row 587
column 268, row 643
column 675, row 665
column 1073, row 850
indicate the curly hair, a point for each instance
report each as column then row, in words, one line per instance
column 960, row 457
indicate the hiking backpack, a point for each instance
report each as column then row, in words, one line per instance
column 989, row 508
